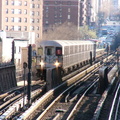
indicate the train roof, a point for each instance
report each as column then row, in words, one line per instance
column 65, row 42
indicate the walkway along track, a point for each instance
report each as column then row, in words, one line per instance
column 110, row 108
column 48, row 96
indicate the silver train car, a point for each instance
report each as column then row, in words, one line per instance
column 65, row 54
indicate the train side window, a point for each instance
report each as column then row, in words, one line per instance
column 79, row 48
column 40, row 51
column 82, row 48
column 66, row 50
column 76, row 48
column 71, row 49
column 85, row 47
column 88, row 47
column 91, row 47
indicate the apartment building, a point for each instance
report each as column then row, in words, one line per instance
column 60, row 11
column 22, row 15
column 92, row 12
column 21, row 40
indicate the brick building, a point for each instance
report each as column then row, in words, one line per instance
column 79, row 12
column 21, row 15
column 58, row 12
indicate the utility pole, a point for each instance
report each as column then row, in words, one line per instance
column 13, row 48
column 24, row 67
column 78, row 14
column 29, row 74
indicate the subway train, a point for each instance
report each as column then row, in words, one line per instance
column 64, row 54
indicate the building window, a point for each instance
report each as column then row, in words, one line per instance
column 60, row 22
column 19, row 19
column 19, row 50
column 46, row 22
column 25, row 28
column 37, row 20
column 68, row 16
column 38, row 6
column 32, row 28
column 20, row 3
column 12, row 2
column 46, row 10
column 60, row 2
column 33, row 5
column 68, row 9
column 19, row 28
column 6, row 19
column 19, row 11
column 69, row 2
column 15, row 50
column 12, row 19
column 25, row 11
column 46, row 15
column 46, row 2
column 12, row 11
column 32, row 13
column 12, row 28
column 25, row 19
column 60, row 9
column 32, row 21
column 38, row 14
column 55, row 15
column 60, row 14
column 18, row 62
column 6, row 27
column 37, row 35
column 56, row 2
column 25, row 3
column 37, row 28
column 6, row 2
column 6, row 11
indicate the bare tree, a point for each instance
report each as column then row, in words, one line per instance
column 65, row 31
column 68, row 32
column 106, row 8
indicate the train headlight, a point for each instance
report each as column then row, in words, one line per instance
column 57, row 64
column 42, row 63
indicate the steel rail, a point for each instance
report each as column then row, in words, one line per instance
column 81, row 98
column 113, row 103
column 104, row 96
column 17, row 105
column 35, row 105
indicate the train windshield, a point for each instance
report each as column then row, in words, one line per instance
column 49, row 50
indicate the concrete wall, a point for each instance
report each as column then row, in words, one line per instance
column 7, row 78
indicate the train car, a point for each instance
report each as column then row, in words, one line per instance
column 65, row 54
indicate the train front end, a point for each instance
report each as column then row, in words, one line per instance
column 49, row 56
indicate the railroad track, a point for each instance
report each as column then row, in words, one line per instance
column 64, row 106
column 111, row 109
column 74, row 108
column 12, row 103
column 3, row 113
column 45, row 100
